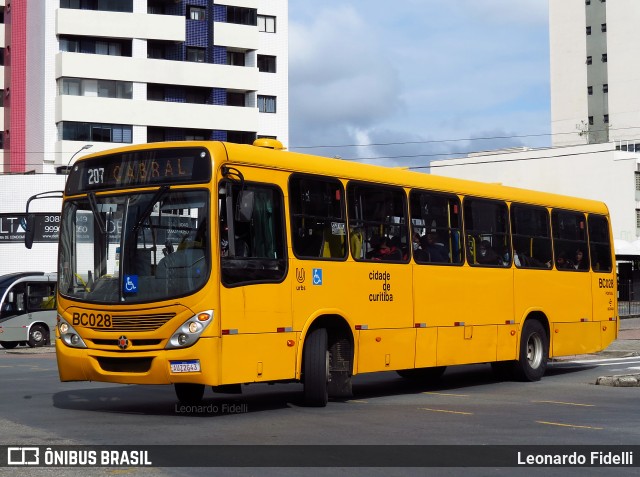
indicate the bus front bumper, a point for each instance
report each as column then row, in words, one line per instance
column 142, row 367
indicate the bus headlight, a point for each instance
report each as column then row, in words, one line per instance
column 189, row 332
column 68, row 335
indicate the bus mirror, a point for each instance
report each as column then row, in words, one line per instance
column 30, row 230
column 244, row 211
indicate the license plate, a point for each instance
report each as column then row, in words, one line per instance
column 185, row 366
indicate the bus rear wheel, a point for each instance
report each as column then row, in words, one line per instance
column 534, row 352
column 9, row 344
column 189, row 393
column 423, row 374
column 316, row 369
column 38, row 336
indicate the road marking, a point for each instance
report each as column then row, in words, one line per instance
column 569, row 425
column 565, row 403
column 446, row 394
column 632, row 359
column 447, row 411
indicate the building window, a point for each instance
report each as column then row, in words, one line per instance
column 1, row 139
column 235, row 58
column 196, row 13
column 588, row 30
column 590, row 120
column 266, row 24
column 589, row 90
column 589, row 60
column 603, row 27
column 266, row 64
column 102, row 5
column 197, row 95
column 604, row 57
column 235, row 99
column 96, row 132
column 587, row 2
column 195, row 54
column 605, row 88
column 82, row 44
column 605, row 119
column 241, row 15
column 638, row 218
column 266, row 104
column 637, row 181
column 71, row 86
column 1, row 98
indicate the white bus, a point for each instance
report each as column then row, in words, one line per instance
column 27, row 309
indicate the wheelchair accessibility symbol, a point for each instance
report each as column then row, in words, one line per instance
column 130, row 284
column 317, row 276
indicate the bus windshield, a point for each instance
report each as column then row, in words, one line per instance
column 134, row 248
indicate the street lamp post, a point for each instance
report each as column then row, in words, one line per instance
column 66, row 169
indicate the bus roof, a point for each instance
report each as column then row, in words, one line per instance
column 311, row 164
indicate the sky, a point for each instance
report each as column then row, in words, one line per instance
column 421, row 79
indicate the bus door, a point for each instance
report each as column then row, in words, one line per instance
column 258, row 342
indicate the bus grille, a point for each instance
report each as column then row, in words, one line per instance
column 137, row 322
column 125, row 365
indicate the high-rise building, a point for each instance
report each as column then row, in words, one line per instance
column 107, row 73
column 595, row 93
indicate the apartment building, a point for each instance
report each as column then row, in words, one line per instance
column 595, row 96
column 81, row 76
column 105, row 73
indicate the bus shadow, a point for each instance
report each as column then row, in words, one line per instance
column 162, row 401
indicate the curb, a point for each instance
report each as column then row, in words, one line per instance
column 621, row 380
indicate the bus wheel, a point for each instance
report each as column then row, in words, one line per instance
column 316, row 369
column 423, row 374
column 189, row 393
column 534, row 352
column 38, row 336
column 9, row 344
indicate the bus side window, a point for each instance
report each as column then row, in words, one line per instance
column 487, row 228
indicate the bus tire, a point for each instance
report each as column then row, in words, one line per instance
column 534, row 352
column 9, row 344
column 189, row 393
column 423, row 374
column 38, row 336
column 316, row 369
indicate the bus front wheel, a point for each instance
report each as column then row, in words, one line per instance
column 316, row 369
column 189, row 393
column 534, row 352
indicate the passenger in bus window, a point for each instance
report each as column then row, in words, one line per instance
column 486, row 255
column 434, row 251
column 580, row 263
column 562, row 262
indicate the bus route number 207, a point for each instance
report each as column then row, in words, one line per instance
column 96, row 175
column 92, row 320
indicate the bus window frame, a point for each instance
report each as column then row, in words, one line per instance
column 343, row 210
column 514, row 206
column 468, row 201
column 585, row 247
column 418, row 194
column 352, row 186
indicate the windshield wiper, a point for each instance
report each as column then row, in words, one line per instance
column 147, row 212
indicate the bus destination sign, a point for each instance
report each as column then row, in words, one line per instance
column 151, row 167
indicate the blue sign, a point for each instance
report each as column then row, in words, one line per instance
column 317, row 276
column 130, row 284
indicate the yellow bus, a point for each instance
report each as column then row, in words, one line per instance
column 215, row 264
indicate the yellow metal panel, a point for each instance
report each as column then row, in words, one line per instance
column 507, row 342
column 608, row 332
column 426, row 345
column 382, row 350
column 454, row 348
column 575, row 338
column 373, row 294
column 258, row 357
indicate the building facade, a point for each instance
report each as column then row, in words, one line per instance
column 83, row 76
column 594, row 81
column 115, row 72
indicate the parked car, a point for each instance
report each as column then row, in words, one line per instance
column 27, row 309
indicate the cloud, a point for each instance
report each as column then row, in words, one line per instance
column 417, row 74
